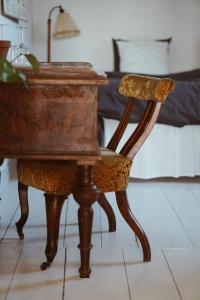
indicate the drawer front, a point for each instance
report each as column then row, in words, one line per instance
column 48, row 120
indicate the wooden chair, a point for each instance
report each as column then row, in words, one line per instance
column 57, row 178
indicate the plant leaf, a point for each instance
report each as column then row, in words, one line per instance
column 7, row 71
column 22, row 77
column 6, row 66
column 9, row 74
column 33, row 61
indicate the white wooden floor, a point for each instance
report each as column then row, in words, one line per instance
column 169, row 211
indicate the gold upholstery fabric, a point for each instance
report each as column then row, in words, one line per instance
column 58, row 177
column 146, row 88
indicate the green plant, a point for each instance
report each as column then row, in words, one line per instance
column 8, row 72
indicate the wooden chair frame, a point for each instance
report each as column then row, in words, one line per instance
column 54, row 202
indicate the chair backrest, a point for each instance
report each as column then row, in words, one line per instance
column 151, row 89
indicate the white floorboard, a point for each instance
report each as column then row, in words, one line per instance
column 169, row 212
column 123, row 235
column 195, row 188
column 9, row 256
column 108, row 279
column 187, row 209
column 185, row 267
column 156, row 216
column 149, row 280
column 29, row 282
column 8, row 206
column 35, row 228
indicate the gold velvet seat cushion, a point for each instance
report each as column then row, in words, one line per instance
column 58, row 177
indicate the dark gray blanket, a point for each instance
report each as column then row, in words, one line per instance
column 181, row 108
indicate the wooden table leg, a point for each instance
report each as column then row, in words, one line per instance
column 85, row 194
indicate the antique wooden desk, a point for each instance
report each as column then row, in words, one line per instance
column 56, row 118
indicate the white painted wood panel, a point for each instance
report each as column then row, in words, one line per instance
column 9, row 204
column 9, row 256
column 156, row 216
column 185, row 267
column 187, row 209
column 150, row 280
column 35, row 228
column 195, row 188
column 124, row 236
column 118, row 271
column 29, row 282
column 107, row 281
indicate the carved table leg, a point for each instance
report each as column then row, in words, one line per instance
column 54, row 204
column 85, row 193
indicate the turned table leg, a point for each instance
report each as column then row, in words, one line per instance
column 85, row 194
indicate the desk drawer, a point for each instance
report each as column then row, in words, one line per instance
column 48, row 120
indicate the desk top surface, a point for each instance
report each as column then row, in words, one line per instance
column 65, row 73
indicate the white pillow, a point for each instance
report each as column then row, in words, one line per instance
column 144, row 56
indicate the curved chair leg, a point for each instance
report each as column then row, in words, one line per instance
column 125, row 210
column 103, row 202
column 23, row 198
column 54, row 204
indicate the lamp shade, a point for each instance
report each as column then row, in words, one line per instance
column 65, row 26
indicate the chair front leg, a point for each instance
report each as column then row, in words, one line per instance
column 23, row 199
column 54, row 204
column 123, row 205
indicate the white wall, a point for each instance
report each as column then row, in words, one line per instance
column 100, row 20
column 12, row 32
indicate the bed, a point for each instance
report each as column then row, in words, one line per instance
column 175, row 140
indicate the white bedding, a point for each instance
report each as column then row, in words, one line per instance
column 168, row 152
